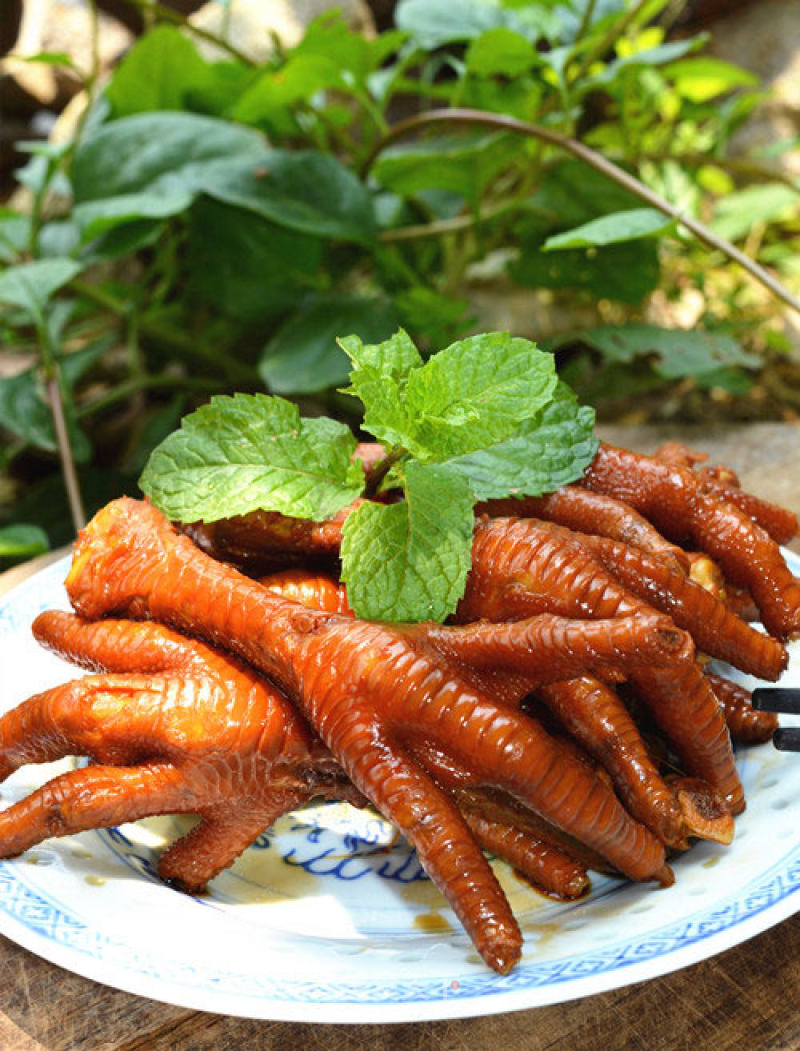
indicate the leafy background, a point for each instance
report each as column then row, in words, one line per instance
column 212, row 225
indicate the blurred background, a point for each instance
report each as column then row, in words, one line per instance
column 198, row 198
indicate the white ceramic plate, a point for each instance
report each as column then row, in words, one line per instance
column 329, row 918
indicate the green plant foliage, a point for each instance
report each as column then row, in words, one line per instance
column 216, row 225
column 22, row 541
column 303, row 356
column 484, row 417
column 239, row 454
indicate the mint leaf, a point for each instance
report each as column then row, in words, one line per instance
column 552, row 450
column 248, row 452
column 409, row 561
column 379, row 378
column 472, row 394
column 475, row 393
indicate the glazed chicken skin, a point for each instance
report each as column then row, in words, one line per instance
column 178, row 728
column 504, row 731
column 207, row 736
column 369, row 690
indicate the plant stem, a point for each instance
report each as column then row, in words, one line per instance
column 134, row 386
column 55, row 399
column 614, row 33
column 166, row 14
column 382, row 468
column 599, row 163
column 65, row 453
column 586, row 19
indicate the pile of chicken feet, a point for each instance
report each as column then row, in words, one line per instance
column 565, row 720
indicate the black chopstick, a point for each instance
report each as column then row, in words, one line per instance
column 784, row 699
column 787, row 739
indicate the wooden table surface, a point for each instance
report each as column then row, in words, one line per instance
column 747, row 997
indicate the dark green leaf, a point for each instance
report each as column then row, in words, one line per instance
column 25, row 412
column 303, row 356
column 679, row 352
column 98, row 217
column 461, row 164
column 302, row 190
column 240, row 453
column 179, row 154
column 626, row 271
column 409, row 561
column 22, row 541
column 160, row 153
column 245, row 266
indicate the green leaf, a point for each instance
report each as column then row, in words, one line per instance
column 391, row 359
column 50, row 58
column 180, row 154
column 462, row 164
column 648, row 57
column 269, row 100
column 14, row 235
column 30, row 285
column 98, row 217
column 156, row 74
column 244, row 266
column 500, row 51
column 409, row 561
column 158, row 153
column 625, row 271
column 737, row 213
column 679, row 352
column 303, row 356
column 549, row 451
column 475, row 393
column 379, row 378
column 240, row 453
column 302, row 190
column 24, row 411
column 611, row 229
column 22, row 541
column 433, row 23
column 703, row 78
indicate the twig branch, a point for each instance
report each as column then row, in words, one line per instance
column 65, row 453
column 599, row 163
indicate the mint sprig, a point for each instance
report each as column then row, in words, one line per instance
column 485, row 418
column 251, row 452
